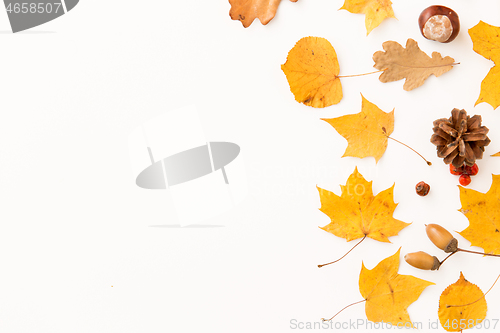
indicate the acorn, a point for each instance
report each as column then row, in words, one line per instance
column 439, row 23
column 422, row 260
column 441, row 238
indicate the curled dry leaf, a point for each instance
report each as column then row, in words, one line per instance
column 375, row 11
column 366, row 132
column 410, row 63
column 461, row 306
column 388, row 294
column 483, row 212
column 312, row 69
column 486, row 42
column 357, row 213
column 248, row 10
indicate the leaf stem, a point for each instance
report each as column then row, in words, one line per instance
column 450, row 306
column 323, row 319
column 468, row 251
column 484, row 254
column 344, row 254
column 342, row 76
column 428, row 163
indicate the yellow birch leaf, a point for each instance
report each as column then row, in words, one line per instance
column 461, row 306
column 366, row 132
column 357, row 213
column 388, row 294
column 375, row 11
column 483, row 212
column 247, row 11
column 312, row 69
column 486, row 42
column 410, row 63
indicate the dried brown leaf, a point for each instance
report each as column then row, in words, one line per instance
column 410, row 63
column 248, row 10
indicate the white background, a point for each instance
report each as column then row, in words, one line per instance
column 78, row 250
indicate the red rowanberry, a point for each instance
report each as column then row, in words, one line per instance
column 464, row 179
column 471, row 170
column 456, row 171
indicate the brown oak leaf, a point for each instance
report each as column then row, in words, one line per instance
column 248, row 10
column 410, row 63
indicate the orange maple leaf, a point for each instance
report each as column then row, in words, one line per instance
column 483, row 212
column 366, row 132
column 357, row 213
column 388, row 294
column 375, row 11
column 248, row 10
column 486, row 42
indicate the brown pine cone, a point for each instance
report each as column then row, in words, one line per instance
column 460, row 139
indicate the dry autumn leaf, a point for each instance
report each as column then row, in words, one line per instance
column 410, row 63
column 486, row 42
column 357, row 213
column 248, row 10
column 312, row 69
column 388, row 294
column 483, row 212
column 375, row 11
column 366, row 132
column 461, row 306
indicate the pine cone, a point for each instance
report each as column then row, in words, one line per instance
column 460, row 139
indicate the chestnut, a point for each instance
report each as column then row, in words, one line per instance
column 439, row 23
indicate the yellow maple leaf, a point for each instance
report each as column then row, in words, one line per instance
column 375, row 11
column 312, row 69
column 366, row 132
column 387, row 293
column 410, row 63
column 247, row 11
column 483, row 212
column 357, row 213
column 461, row 306
column 486, row 42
